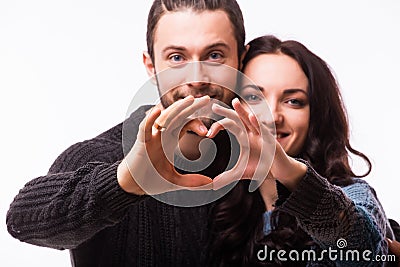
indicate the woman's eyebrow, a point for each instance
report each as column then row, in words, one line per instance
column 257, row 87
column 285, row 92
column 294, row 90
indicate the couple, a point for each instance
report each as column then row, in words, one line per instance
column 93, row 199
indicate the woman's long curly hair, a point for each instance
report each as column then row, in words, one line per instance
column 237, row 218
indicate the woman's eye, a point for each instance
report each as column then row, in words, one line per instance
column 295, row 102
column 252, row 98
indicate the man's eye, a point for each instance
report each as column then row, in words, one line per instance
column 176, row 58
column 215, row 56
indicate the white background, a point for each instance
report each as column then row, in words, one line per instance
column 68, row 70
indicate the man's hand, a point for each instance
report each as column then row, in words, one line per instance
column 148, row 168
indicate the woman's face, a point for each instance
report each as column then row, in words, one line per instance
column 281, row 81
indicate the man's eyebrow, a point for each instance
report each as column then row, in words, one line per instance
column 219, row 44
column 174, row 47
column 182, row 48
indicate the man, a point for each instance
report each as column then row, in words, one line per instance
column 90, row 203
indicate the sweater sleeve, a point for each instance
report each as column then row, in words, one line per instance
column 78, row 197
column 63, row 210
column 331, row 214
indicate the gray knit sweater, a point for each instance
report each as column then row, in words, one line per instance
column 80, row 206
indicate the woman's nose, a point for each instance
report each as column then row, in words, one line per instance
column 276, row 114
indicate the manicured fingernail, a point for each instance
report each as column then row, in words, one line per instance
column 209, row 133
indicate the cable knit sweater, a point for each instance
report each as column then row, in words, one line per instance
column 80, row 206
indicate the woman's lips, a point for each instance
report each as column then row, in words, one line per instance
column 280, row 137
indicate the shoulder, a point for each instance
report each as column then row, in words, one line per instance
column 358, row 183
column 134, row 119
column 102, row 149
column 106, row 147
column 360, row 190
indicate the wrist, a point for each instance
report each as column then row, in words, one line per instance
column 126, row 181
column 289, row 172
column 299, row 170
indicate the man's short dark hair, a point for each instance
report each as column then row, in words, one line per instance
column 231, row 8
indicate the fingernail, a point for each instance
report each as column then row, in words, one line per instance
column 209, row 133
column 216, row 106
column 202, row 128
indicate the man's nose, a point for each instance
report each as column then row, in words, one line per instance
column 197, row 74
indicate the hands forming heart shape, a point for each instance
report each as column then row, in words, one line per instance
column 150, row 162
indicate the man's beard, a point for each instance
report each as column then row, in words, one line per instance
column 210, row 90
column 214, row 91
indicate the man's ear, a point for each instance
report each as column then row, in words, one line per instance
column 242, row 57
column 148, row 64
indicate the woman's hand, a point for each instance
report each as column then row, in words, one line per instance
column 286, row 169
column 394, row 248
column 148, row 167
column 257, row 145
column 261, row 155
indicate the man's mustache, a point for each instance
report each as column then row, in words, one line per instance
column 213, row 92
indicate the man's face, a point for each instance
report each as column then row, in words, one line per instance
column 200, row 51
column 185, row 36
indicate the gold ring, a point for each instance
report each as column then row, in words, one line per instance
column 159, row 127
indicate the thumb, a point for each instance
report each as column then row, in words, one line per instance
column 196, row 126
column 193, row 180
column 394, row 247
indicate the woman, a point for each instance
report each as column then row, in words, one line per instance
column 320, row 200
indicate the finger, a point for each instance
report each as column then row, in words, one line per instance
column 228, row 113
column 263, row 128
column 244, row 115
column 178, row 119
column 254, row 122
column 196, row 126
column 150, row 119
column 224, row 124
column 224, row 179
column 145, row 131
column 192, row 180
column 175, row 108
column 215, row 128
column 234, row 174
column 234, row 115
column 394, row 247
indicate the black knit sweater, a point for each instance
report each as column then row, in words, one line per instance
column 80, row 206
